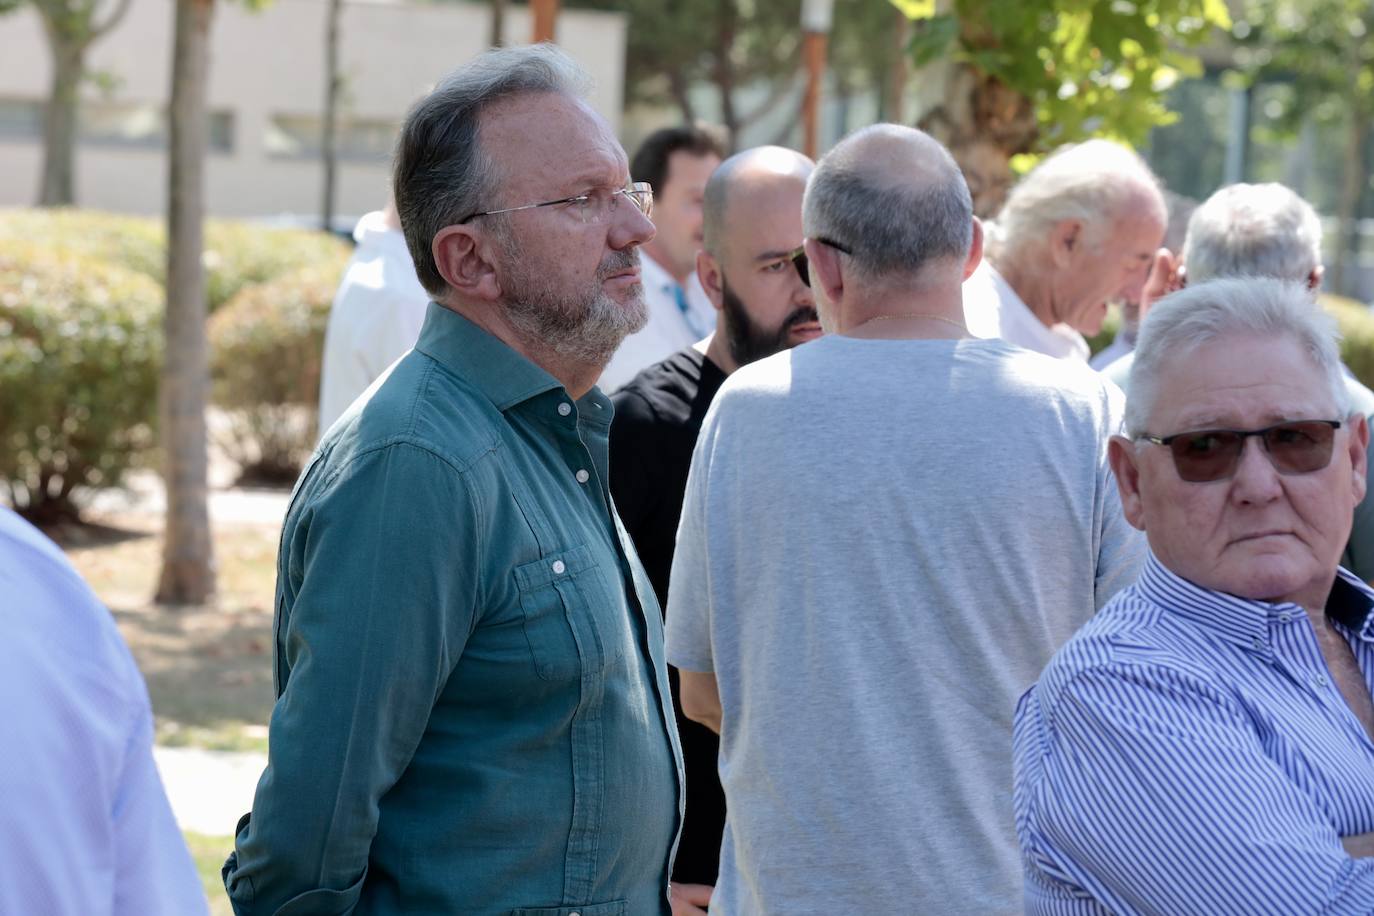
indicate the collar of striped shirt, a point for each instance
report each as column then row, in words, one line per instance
column 1245, row 622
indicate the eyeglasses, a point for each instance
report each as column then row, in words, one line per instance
column 1205, row 455
column 592, row 207
column 798, row 258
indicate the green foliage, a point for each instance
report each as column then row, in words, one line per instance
column 237, row 254
column 1107, row 333
column 1092, row 67
column 1356, row 322
column 267, row 345
column 80, row 349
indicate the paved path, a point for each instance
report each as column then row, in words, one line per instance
column 209, row 790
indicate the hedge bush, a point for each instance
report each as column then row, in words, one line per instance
column 1356, row 322
column 237, row 254
column 80, row 351
column 267, row 345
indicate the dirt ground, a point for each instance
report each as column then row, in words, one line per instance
column 208, row 667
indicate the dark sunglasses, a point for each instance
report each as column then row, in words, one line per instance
column 798, row 258
column 1204, row 455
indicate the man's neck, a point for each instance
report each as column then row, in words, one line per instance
column 934, row 312
column 578, row 378
column 1033, row 287
column 717, row 350
column 678, row 272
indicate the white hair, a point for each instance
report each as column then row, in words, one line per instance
column 1261, row 230
column 1234, row 307
column 1090, row 182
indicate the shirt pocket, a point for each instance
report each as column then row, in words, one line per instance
column 559, row 597
column 614, row 908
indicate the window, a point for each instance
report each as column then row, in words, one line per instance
column 129, row 125
column 301, row 137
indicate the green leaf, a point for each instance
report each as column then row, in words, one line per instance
column 931, row 39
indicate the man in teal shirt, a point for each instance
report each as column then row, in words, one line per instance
column 473, row 712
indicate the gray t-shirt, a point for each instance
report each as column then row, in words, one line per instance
column 882, row 543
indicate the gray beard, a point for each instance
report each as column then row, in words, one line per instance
column 586, row 330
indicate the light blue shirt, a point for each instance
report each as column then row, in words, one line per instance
column 85, row 828
column 1188, row 752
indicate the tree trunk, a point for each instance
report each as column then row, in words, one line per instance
column 58, row 184
column 188, row 567
column 983, row 123
column 329, row 142
column 1353, row 178
column 678, row 88
column 891, row 103
column 497, row 38
column 724, row 70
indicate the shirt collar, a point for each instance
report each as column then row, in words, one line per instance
column 1060, row 341
column 1243, row 621
column 504, row 376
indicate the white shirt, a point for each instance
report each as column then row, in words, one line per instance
column 375, row 318
column 993, row 309
column 669, row 329
column 85, row 828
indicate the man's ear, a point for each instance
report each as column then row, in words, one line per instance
column 465, row 264
column 712, row 280
column 1065, row 237
column 975, row 250
column 827, row 273
column 1359, row 455
column 1314, row 279
column 1121, row 454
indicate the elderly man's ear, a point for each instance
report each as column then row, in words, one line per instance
column 1121, row 453
column 464, row 261
column 825, row 269
column 1359, row 454
column 1065, row 237
column 975, row 249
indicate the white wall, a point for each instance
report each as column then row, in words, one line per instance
column 272, row 63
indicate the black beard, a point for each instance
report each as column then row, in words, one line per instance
column 748, row 341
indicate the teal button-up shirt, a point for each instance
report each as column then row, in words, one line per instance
column 472, row 710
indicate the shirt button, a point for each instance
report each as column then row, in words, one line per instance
column 582, row 476
column 1258, row 644
column 564, row 409
column 1285, row 617
column 559, row 567
column 1319, row 681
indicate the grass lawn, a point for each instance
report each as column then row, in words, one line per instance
column 208, row 667
column 210, row 853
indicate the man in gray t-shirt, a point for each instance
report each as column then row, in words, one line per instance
column 886, row 534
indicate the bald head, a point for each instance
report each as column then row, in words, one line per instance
column 894, row 198
column 742, row 182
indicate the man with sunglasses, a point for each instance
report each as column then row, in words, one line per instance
column 473, row 712
column 886, row 533
column 1206, row 743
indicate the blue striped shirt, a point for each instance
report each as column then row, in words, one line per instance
column 1188, row 752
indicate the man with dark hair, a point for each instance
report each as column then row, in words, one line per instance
column 473, row 713
column 752, row 230
column 856, row 596
column 676, row 162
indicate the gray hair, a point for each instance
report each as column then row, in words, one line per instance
column 1090, row 182
column 1238, row 306
column 893, row 196
column 441, row 172
column 1261, row 230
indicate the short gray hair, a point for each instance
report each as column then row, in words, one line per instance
column 894, row 222
column 1260, row 230
column 441, row 172
column 1238, row 306
column 1089, row 182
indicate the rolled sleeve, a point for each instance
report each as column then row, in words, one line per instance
column 384, row 604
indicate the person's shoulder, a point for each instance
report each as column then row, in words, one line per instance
column 1041, row 378
column 1132, row 640
column 666, row 383
column 55, row 613
column 418, row 405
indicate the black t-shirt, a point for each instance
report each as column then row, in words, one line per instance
column 658, row 416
